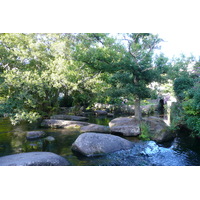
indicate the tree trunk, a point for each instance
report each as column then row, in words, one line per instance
column 138, row 114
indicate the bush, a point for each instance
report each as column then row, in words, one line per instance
column 191, row 107
column 187, row 112
column 181, row 85
column 145, row 131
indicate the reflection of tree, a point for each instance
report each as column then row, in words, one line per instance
column 18, row 139
column 13, row 140
column 5, row 137
column 35, row 145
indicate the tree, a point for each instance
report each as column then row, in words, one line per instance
column 178, row 67
column 191, row 109
column 33, row 74
column 138, row 64
column 187, row 90
column 35, row 69
column 129, row 61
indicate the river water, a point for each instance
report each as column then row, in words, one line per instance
column 183, row 151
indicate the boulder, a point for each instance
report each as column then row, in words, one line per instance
column 100, row 112
column 33, row 159
column 127, row 126
column 69, row 117
column 91, row 144
column 49, row 139
column 54, row 123
column 31, row 135
column 159, row 130
column 95, row 128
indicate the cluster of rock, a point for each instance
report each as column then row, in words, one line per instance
column 94, row 140
column 106, row 110
column 124, row 108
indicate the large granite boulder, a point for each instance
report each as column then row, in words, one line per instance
column 95, row 128
column 91, row 144
column 31, row 135
column 69, row 117
column 33, row 159
column 159, row 130
column 54, row 123
column 127, row 126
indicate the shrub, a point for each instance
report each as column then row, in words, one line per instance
column 145, row 131
column 181, row 85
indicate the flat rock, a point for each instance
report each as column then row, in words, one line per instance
column 100, row 112
column 95, row 128
column 33, row 159
column 69, row 117
column 54, row 123
column 91, row 144
column 127, row 126
column 35, row 134
column 110, row 115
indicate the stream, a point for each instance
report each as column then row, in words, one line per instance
column 183, row 151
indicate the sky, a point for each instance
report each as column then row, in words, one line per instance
column 176, row 43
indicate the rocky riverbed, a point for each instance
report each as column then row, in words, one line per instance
column 13, row 141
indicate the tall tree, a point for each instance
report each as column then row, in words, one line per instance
column 129, row 62
column 35, row 69
column 139, row 66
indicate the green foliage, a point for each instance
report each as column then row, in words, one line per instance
column 145, row 131
column 176, row 117
column 181, row 85
column 86, row 68
column 187, row 89
column 35, row 69
column 178, row 67
column 128, row 63
column 191, row 107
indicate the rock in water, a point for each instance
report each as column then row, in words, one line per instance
column 35, row 135
column 50, row 139
column 69, row 117
column 100, row 112
column 159, row 130
column 127, row 126
column 33, row 159
column 91, row 144
column 95, row 128
column 54, row 123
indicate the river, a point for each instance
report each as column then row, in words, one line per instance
column 183, row 151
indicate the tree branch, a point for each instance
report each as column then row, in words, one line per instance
column 89, row 78
column 148, row 69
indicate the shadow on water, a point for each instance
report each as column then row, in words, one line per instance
column 183, row 151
